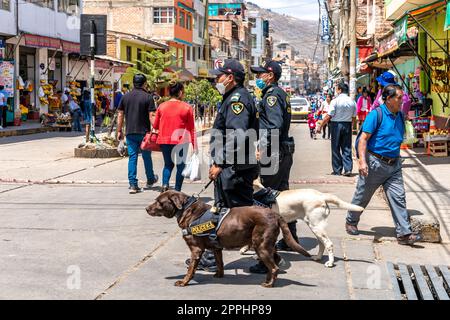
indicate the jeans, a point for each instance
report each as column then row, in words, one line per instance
column 391, row 178
column 169, row 152
column 341, row 146
column 134, row 145
column 87, row 112
column 76, row 120
column 1, row 115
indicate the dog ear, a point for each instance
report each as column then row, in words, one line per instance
column 177, row 201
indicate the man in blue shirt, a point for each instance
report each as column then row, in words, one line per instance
column 380, row 165
column 3, row 104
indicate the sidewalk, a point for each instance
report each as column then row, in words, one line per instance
column 71, row 213
column 427, row 183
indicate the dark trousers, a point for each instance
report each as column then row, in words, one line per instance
column 235, row 188
column 341, row 146
column 312, row 132
column 280, row 181
column 324, row 130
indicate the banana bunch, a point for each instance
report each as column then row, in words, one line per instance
column 440, row 75
column 440, row 89
column 436, row 62
column 43, row 101
column 438, row 132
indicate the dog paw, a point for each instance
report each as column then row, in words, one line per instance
column 316, row 258
column 218, row 275
column 329, row 264
column 180, row 283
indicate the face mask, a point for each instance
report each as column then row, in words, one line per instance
column 221, row 88
column 260, row 83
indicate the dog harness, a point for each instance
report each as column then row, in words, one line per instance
column 265, row 197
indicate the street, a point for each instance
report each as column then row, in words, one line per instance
column 70, row 230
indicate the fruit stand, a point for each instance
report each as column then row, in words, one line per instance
column 437, row 141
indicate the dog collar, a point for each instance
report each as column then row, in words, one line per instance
column 190, row 201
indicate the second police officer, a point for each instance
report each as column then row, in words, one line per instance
column 275, row 118
column 232, row 150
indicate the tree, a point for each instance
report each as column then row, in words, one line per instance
column 152, row 65
column 202, row 92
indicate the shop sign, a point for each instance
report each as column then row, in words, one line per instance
column 7, row 76
column 69, row 47
column 102, row 64
column 400, row 30
column 388, row 45
column 325, row 34
column 447, row 18
column 120, row 69
column 42, row 42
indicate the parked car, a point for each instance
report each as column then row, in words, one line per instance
column 300, row 107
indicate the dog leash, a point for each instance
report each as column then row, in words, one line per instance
column 203, row 189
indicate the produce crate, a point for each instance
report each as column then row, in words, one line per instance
column 438, row 148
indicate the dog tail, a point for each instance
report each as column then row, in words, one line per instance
column 289, row 239
column 331, row 198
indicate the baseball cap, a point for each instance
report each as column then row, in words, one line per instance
column 230, row 66
column 386, row 78
column 269, row 66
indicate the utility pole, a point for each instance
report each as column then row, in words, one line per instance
column 91, row 128
column 352, row 31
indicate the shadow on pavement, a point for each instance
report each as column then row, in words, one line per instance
column 237, row 279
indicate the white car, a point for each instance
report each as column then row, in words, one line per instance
column 300, row 108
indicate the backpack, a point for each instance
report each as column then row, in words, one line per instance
column 379, row 120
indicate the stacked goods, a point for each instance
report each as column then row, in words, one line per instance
column 45, row 92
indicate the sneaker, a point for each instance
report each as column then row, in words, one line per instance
column 134, row 190
column 150, row 183
column 351, row 230
column 261, row 268
column 1, row 128
column 335, row 174
column 347, row 174
column 282, row 246
column 207, row 262
column 409, row 239
column 164, row 188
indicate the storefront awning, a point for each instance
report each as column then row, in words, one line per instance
column 36, row 41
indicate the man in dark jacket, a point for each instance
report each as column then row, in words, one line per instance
column 137, row 107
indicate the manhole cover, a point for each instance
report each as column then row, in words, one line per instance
column 414, row 282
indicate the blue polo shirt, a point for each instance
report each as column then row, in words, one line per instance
column 387, row 139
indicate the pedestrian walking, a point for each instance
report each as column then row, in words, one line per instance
column 363, row 105
column 380, row 165
column 342, row 115
column 137, row 107
column 3, row 104
column 324, row 110
column 75, row 113
column 312, row 126
column 386, row 78
column 274, row 123
column 233, row 153
column 174, row 122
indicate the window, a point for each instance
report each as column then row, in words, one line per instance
column 128, row 53
column 163, row 15
column 254, row 41
column 194, row 51
column 201, row 26
column 189, row 22
column 4, row 5
column 188, row 53
column 182, row 19
column 69, row 6
column 199, row 52
column 139, row 58
column 43, row 3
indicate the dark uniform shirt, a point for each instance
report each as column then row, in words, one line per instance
column 237, row 112
column 136, row 106
column 275, row 113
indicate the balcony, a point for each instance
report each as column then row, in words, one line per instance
column 394, row 9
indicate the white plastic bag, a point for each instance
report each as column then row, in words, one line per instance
column 122, row 148
column 187, row 169
column 195, row 168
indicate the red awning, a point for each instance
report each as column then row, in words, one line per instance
column 35, row 41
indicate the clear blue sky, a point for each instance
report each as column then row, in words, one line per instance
column 302, row 9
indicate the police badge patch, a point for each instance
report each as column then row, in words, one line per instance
column 237, row 107
column 271, row 101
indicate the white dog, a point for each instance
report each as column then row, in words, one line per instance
column 311, row 206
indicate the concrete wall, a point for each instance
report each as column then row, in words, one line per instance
column 48, row 22
column 8, row 21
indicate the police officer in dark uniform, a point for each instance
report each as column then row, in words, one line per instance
column 275, row 119
column 232, row 146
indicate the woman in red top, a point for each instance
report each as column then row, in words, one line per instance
column 174, row 121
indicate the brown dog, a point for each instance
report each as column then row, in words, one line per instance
column 255, row 226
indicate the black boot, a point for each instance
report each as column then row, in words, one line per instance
column 281, row 244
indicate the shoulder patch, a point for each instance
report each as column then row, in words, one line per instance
column 237, row 107
column 235, row 97
column 271, row 101
column 288, row 109
column 270, row 90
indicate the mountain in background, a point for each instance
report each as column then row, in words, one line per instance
column 302, row 34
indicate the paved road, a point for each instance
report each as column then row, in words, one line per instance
column 70, row 230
